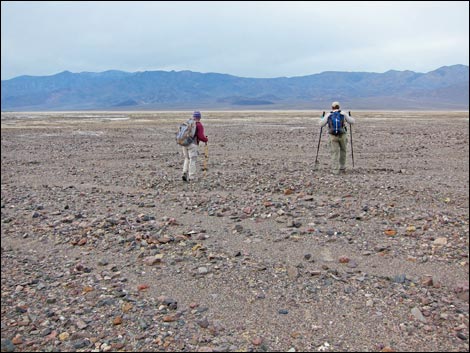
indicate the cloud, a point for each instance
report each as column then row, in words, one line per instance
column 255, row 39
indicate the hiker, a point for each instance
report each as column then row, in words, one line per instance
column 338, row 140
column 190, row 152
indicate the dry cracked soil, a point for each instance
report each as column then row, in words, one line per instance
column 105, row 248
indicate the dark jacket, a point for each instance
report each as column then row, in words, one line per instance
column 200, row 133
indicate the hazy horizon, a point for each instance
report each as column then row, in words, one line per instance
column 222, row 73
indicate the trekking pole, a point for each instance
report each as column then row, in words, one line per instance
column 319, row 139
column 352, row 150
column 206, row 157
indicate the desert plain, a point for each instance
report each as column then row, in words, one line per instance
column 105, row 248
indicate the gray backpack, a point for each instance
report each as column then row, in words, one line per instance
column 186, row 133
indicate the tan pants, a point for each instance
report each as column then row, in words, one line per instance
column 338, row 148
column 190, row 159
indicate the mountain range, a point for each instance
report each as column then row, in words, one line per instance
column 446, row 88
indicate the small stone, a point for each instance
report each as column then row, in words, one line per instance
column 64, row 336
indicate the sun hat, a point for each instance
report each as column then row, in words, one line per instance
column 335, row 105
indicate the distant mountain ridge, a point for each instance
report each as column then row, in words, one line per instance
column 446, row 88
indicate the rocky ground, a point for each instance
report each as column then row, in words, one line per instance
column 105, row 248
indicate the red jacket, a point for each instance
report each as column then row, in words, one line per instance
column 200, row 133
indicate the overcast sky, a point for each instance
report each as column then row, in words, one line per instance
column 249, row 39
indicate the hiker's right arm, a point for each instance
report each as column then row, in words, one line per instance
column 200, row 133
column 349, row 118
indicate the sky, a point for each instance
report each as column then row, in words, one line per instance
column 242, row 38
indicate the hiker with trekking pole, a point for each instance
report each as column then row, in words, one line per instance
column 338, row 140
column 188, row 136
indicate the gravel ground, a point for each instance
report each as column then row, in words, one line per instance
column 105, row 248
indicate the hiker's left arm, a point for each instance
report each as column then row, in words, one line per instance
column 324, row 120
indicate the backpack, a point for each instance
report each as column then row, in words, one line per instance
column 186, row 133
column 336, row 123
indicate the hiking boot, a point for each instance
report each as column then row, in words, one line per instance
column 185, row 177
